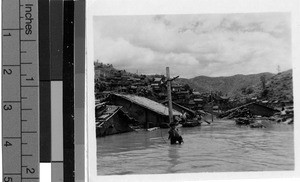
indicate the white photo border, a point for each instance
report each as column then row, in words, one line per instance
column 154, row 7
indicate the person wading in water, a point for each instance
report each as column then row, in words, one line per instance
column 174, row 136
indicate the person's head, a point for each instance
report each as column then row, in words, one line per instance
column 173, row 125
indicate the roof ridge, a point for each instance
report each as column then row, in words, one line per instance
column 143, row 105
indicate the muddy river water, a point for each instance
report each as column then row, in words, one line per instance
column 219, row 147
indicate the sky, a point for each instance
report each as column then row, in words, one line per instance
column 194, row 45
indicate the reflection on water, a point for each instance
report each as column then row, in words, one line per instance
column 219, row 147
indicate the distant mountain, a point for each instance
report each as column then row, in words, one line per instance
column 230, row 86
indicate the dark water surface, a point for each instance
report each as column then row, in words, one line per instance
column 219, row 147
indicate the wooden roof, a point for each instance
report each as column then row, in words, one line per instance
column 149, row 104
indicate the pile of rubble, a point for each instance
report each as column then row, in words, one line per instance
column 288, row 119
column 251, row 122
column 243, row 116
column 242, row 112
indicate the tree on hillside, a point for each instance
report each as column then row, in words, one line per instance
column 188, row 88
column 263, row 81
column 264, row 92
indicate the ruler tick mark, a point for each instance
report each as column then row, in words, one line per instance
column 27, row 40
column 29, row 86
column 27, row 109
column 24, row 143
column 24, row 98
column 11, row 65
column 12, row 137
column 11, row 173
column 26, row 63
column 11, row 101
column 23, row 74
column 23, row 51
column 29, row 132
column 27, row 155
column 10, row 29
column 57, row 161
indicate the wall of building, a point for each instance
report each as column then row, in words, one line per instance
column 144, row 116
column 261, row 110
column 116, row 124
column 121, row 122
column 180, row 109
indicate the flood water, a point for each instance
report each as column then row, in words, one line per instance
column 219, row 147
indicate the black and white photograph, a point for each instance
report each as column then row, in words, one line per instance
column 193, row 93
column 189, row 93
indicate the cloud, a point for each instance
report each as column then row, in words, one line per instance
column 192, row 45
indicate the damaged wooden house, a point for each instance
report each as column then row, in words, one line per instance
column 110, row 119
column 147, row 112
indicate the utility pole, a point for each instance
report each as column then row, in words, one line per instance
column 278, row 69
column 169, row 95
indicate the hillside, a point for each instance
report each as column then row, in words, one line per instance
column 229, row 86
column 278, row 87
column 107, row 70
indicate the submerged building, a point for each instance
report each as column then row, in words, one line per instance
column 255, row 109
column 111, row 120
column 181, row 108
column 147, row 112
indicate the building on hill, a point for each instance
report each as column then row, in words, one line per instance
column 196, row 95
column 198, row 103
column 182, row 94
column 123, row 89
column 155, row 87
column 176, row 88
column 147, row 112
column 157, row 84
column 287, row 103
column 158, row 80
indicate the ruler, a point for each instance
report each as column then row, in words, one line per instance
column 20, row 91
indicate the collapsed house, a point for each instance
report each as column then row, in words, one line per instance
column 147, row 112
column 250, row 109
column 111, row 120
column 181, row 108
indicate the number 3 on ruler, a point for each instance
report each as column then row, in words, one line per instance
column 7, row 107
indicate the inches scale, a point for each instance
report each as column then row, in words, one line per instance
column 20, row 91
